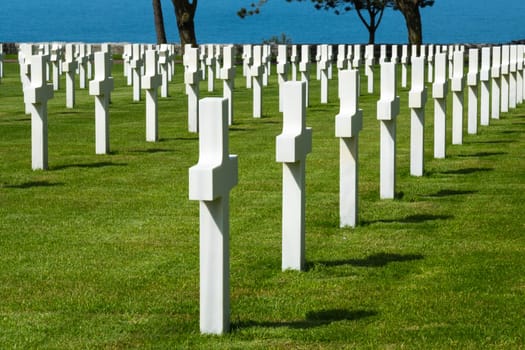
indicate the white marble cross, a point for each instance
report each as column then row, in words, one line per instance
column 369, row 67
column 82, row 60
column 202, row 60
column 151, row 82
column 1, row 60
column 323, row 71
column 439, row 94
column 430, row 63
column 513, row 66
column 191, row 79
column 496, row 81
column 404, row 65
column 136, row 64
column 282, row 71
column 210, row 63
column 505, row 72
column 304, row 68
column 55, row 58
column 164, row 65
column 101, row 88
column 294, row 59
column 247, row 61
column 256, row 72
column 457, row 86
column 126, row 58
column 292, row 146
column 341, row 57
column 472, row 83
column 36, row 95
column 266, row 63
column 348, row 124
column 417, row 99
column 394, row 56
column 382, row 54
column 210, row 182
column 69, row 67
column 387, row 112
column 519, row 75
column 218, row 60
column 356, row 63
column 24, row 59
column 227, row 74
column 349, row 56
column 484, row 77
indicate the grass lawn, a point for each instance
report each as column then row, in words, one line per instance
column 101, row 251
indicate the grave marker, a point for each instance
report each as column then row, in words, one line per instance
column 82, row 64
column 191, row 79
column 417, row 99
column 210, row 63
column 294, row 58
column 387, row 111
column 513, row 75
column 304, row 68
column 69, row 67
column 227, row 74
column 341, row 57
column 439, row 93
column 292, row 146
column 323, row 71
column 101, row 88
column 55, row 58
column 1, row 60
column 136, row 64
column 151, row 82
column 457, row 86
column 348, row 124
column 247, row 63
column 256, row 73
column 496, row 81
column 164, row 69
column 404, row 65
column 484, row 77
column 519, row 75
column 472, row 82
column 369, row 67
column 266, row 63
column 282, row 71
column 210, row 182
column 430, row 63
column 36, row 95
column 505, row 71
column 357, row 57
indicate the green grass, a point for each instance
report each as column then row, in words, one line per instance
column 102, row 251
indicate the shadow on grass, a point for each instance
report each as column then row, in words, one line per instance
column 410, row 219
column 313, row 319
column 152, row 150
column 88, row 165
column 494, row 141
column 374, row 260
column 466, row 171
column 482, row 154
column 446, row 193
column 32, row 184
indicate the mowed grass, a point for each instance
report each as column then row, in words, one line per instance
column 101, row 251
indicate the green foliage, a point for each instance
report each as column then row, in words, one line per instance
column 282, row 39
column 102, row 251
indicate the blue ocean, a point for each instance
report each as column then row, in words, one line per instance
column 448, row 21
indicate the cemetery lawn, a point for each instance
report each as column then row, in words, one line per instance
column 102, row 251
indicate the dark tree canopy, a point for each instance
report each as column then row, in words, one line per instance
column 374, row 11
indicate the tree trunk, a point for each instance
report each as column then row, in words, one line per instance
column 185, row 12
column 159, row 22
column 410, row 10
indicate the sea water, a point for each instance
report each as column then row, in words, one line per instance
column 448, row 21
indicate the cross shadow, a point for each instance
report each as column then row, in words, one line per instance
column 410, row 219
column 483, row 154
column 88, row 165
column 466, row 171
column 374, row 260
column 152, row 150
column 445, row 193
column 312, row 319
column 494, row 141
column 32, row 184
